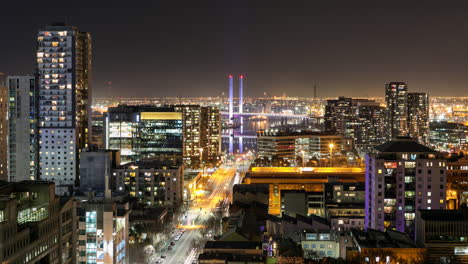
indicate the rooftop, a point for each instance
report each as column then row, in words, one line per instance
column 233, row 245
column 251, row 188
column 377, row 239
column 305, row 170
column 403, row 144
column 139, row 108
column 299, row 219
column 270, row 133
column 445, row 215
column 150, row 164
column 231, row 257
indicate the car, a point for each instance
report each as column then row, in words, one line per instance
column 159, row 261
column 169, row 248
column 176, row 238
column 163, row 256
column 172, row 244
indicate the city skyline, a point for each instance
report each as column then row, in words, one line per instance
column 166, row 50
column 234, row 132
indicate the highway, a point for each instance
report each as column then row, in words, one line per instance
column 201, row 210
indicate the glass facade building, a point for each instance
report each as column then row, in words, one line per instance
column 143, row 132
column 190, row 132
column 159, row 133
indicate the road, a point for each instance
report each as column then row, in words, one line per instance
column 221, row 182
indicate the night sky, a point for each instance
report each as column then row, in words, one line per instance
column 187, row 48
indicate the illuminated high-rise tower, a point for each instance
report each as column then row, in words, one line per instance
column 396, row 97
column 418, row 117
column 64, row 71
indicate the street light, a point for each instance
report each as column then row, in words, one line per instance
column 331, row 153
column 303, row 161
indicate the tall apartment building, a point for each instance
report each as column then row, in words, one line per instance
column 402, row 176
column 36, row 226
column 360, row 121
column 396, row 97
column 407, row 113
column 369, row 125
column 418, row 117
column 3, row 128
column 142, row 132
column 64, row 71
column 103, row 233
column 23, row 154
column 201, row 133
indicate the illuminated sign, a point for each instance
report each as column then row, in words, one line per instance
column 390, row 165
column 461, row 250
column 161, row 116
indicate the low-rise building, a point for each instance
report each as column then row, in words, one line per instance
column 384, row 247
column 321, row 244
column 308, row 179
column 445, row 235
column 229, row 258
column 346, row 217
column 36, row 226
column 457, row 183
column 344, row 205
column 234, row 247
column 303, row 203
column 287, row 227
column 248, row 193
